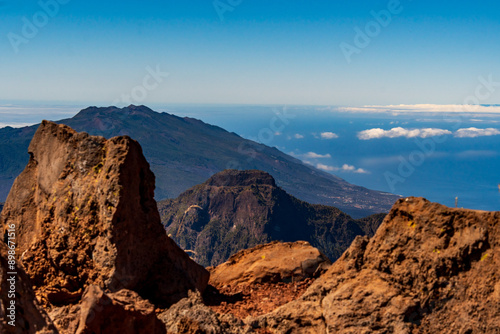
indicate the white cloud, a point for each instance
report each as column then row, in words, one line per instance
column 401, row 132
column 326, row 167
column 312, row 155
column 298, row 136
column 475, row 132
column 329, row 135
column 425, row 108
column 345, row 168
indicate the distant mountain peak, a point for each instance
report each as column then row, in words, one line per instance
column 237, row 178
column 132, row 109
column 184, row 152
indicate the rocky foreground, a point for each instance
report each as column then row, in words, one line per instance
column 93, row 257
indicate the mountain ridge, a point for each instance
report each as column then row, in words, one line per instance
column 185, row 151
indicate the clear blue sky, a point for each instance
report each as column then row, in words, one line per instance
column 263, row 52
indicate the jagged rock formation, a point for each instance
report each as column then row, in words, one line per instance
column 25, row 316
column 184, row 152
column 85, row 214
column 273, row 262
column 428, row 269
column 236, row 210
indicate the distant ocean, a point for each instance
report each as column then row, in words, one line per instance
column 445, row 157
column 460, row 166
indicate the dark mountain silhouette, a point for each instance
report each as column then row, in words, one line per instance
column 184, row 152
column 235, row 210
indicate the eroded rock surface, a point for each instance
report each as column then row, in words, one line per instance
column 85, row 214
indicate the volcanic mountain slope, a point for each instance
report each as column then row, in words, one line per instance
column 84, row 214
column 428, row 269
column 235, row 210
column 184, row 152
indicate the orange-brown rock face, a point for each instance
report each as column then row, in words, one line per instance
column 428, row 269
column 85, row 213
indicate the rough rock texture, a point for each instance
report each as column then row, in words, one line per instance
column 273, row 262
column 428, row 269
column 190, row 316
column 85, row 213
column 122, row 312
column 236, row 210
column 29, row 316
column 254, row 299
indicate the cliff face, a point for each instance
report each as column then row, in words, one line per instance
column 85, row 213
column 235, row 210
column 428, row 269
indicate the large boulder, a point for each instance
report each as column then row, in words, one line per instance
column 84, row 213
column 273, row 262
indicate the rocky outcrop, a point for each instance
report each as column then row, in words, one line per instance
column 85, row 214
column 191, row 315
column 122, row 312
column 20, row 313
column 236, row 210
column 274, row 262
column 428, row 269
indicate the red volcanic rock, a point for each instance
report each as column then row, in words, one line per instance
column 85, row 214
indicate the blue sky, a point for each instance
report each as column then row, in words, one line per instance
column 262, row 52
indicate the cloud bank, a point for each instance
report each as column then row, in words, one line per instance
column 401, row 132
column 424, row 108
column 475, row 132
column 344, row 168
column 398, row 132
